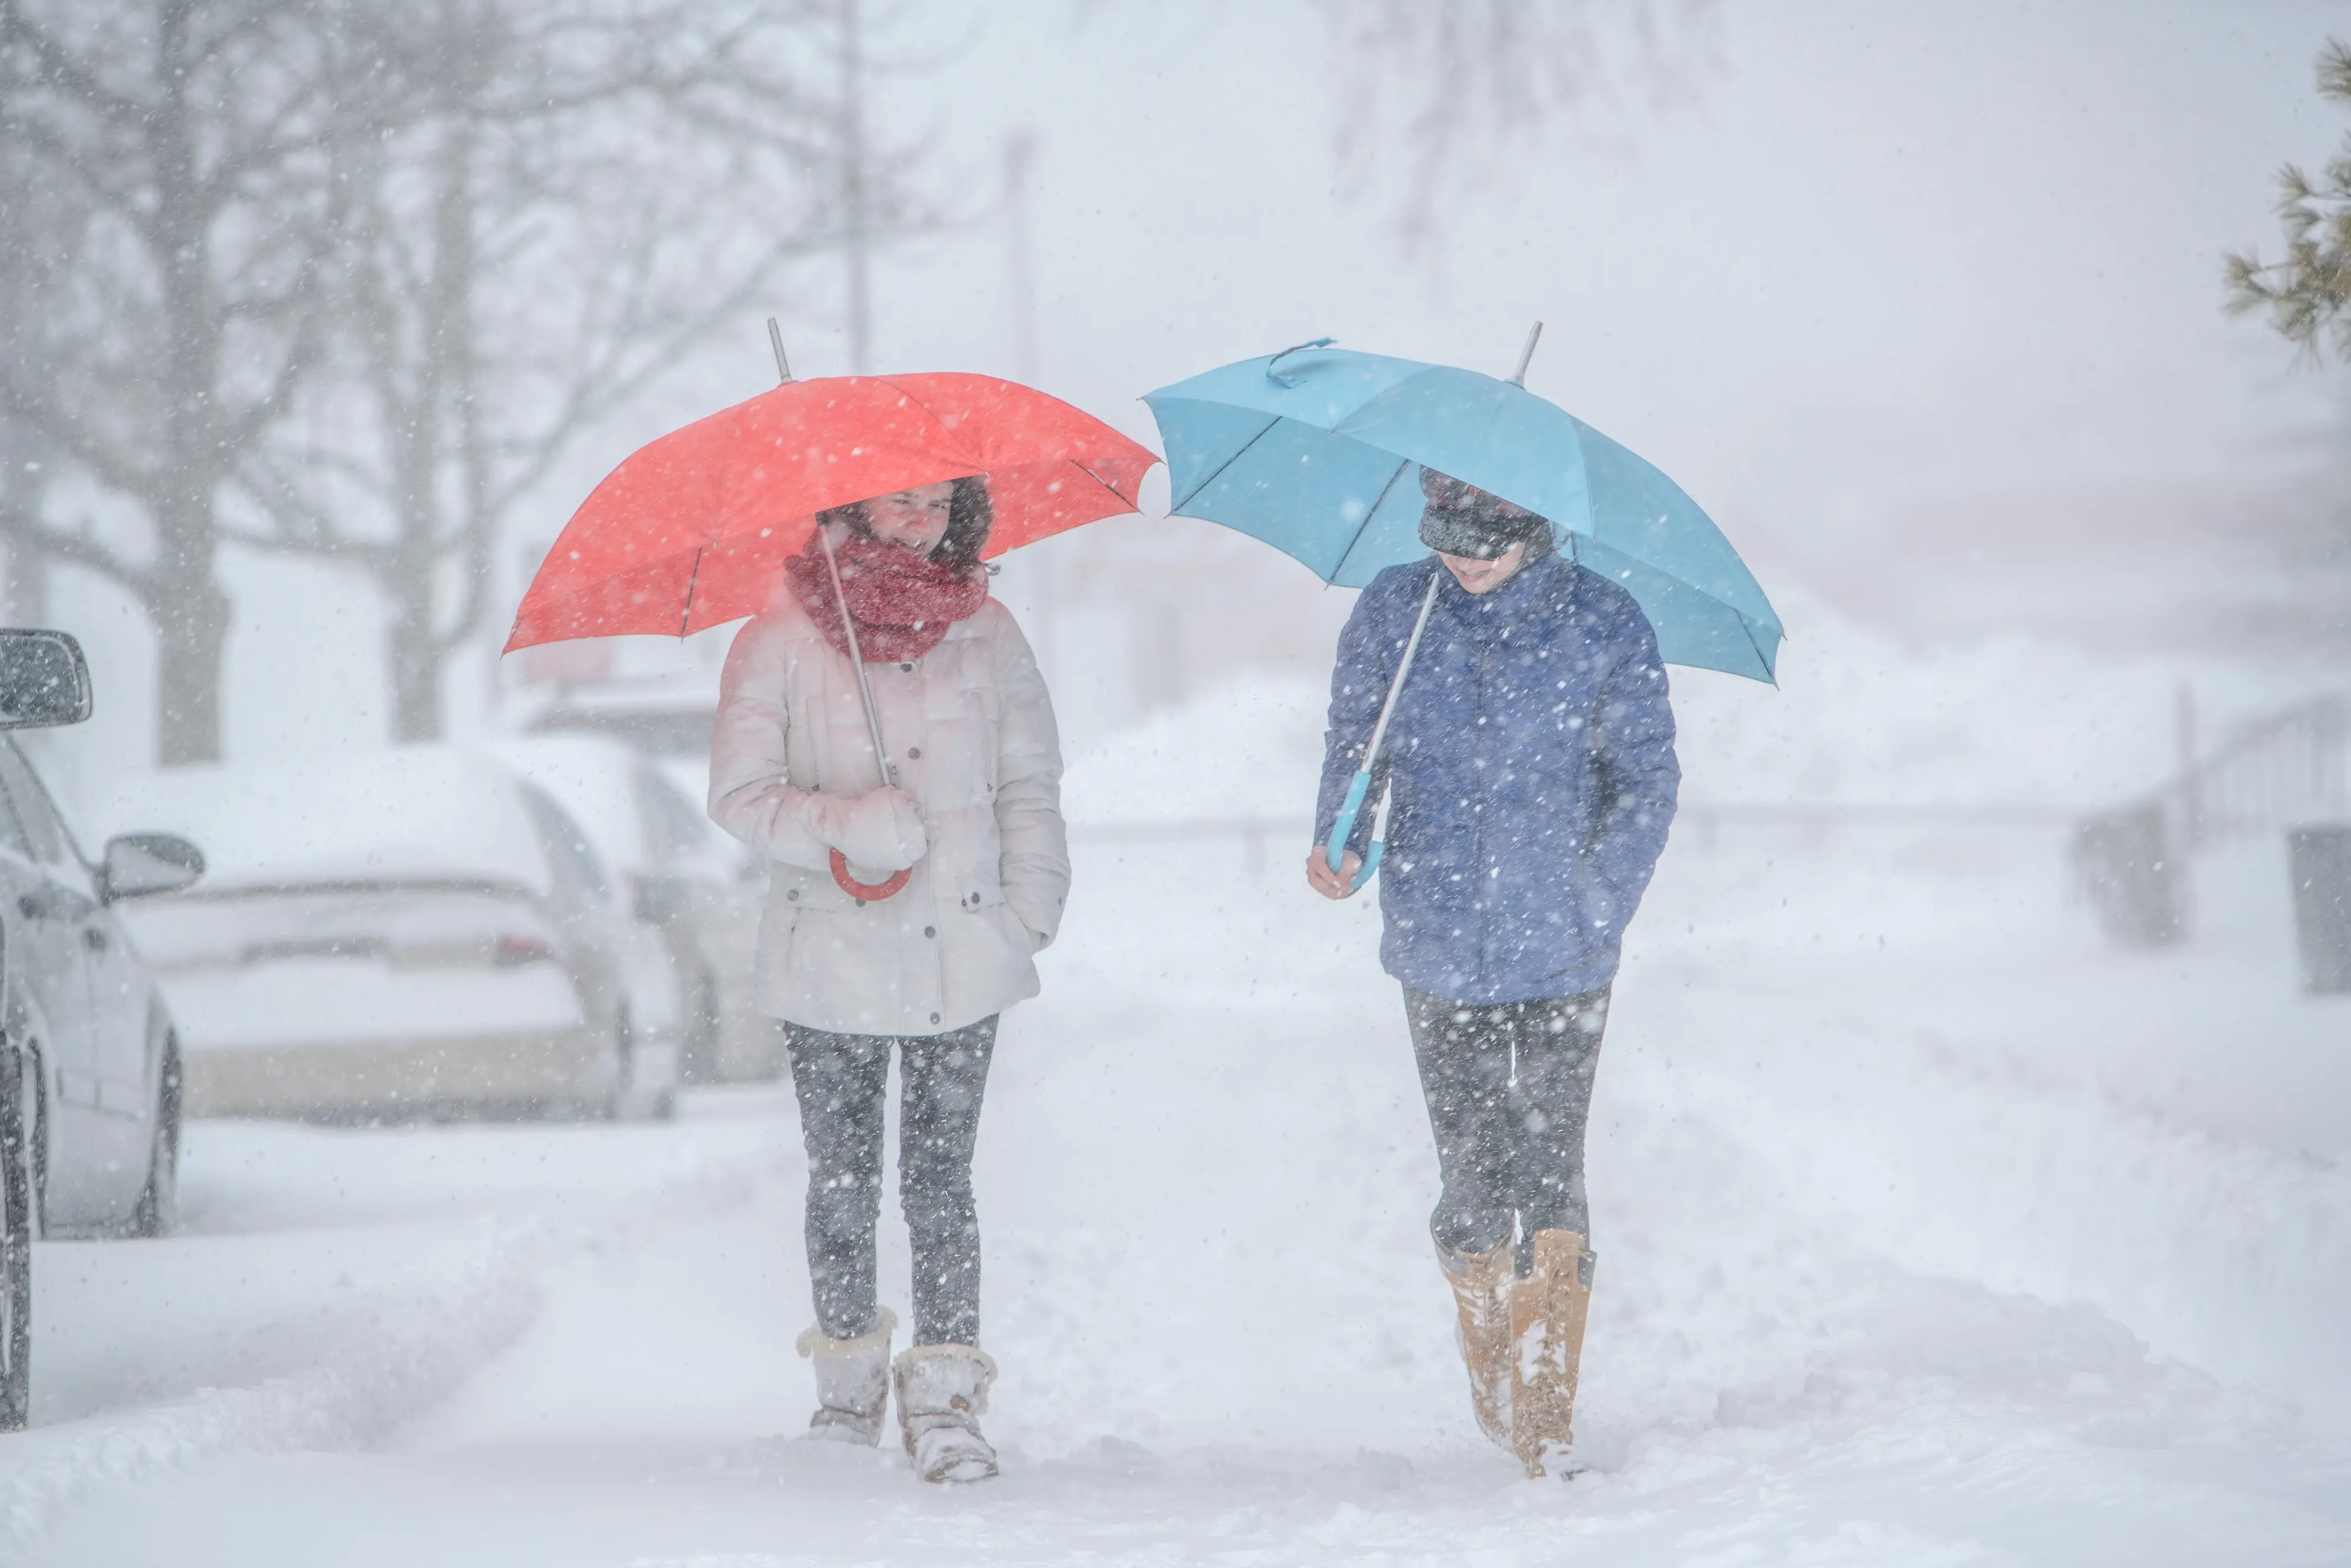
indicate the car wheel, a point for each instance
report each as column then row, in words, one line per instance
column 631, row 1102
column 615, row 1106
column 19, row 1209
column 159, row 1203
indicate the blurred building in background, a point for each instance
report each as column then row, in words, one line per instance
column 2186, row 569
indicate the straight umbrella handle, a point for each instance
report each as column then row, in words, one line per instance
column 1379, row 848
column 1361, row 785
column 856, row 658
column 864, row 893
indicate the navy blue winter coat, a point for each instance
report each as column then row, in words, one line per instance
column 1531, row 762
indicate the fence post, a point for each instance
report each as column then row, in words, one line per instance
column 2183, row 732
column 2132, row 873
column 2320, row 860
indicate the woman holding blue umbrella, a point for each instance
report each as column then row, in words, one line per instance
column 1500, row 686
column 1530, row 779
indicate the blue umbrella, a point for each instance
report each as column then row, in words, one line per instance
column 1317, row 452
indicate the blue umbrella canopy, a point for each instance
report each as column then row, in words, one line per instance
column 1317, row 452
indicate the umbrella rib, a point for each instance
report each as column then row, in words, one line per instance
column 946, row 429
column 1176, row 506
column 1105, row 484
column 1365, row 526
column 1759, row 658
column 685, row 617
column 948, row 432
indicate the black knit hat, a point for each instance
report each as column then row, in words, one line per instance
column 1461, row 519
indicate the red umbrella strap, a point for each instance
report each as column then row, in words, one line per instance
column 861, row 892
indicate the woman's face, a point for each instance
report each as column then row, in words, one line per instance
column 915, row 519
column 1477, row 576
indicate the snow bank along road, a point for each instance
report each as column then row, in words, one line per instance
column 1930, row 1234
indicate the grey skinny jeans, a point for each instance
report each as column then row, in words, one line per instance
column 842, row 1082
column 1508, row 1089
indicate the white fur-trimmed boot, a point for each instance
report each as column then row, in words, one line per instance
column 942, row 1392
column 853, row 1382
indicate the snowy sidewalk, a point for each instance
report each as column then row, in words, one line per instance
column 1819, row 1334
column 326, row 1288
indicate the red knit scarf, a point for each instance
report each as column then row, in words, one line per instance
column 902, row 602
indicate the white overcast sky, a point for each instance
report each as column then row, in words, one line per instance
column 1887, row 254
column 1890, row 254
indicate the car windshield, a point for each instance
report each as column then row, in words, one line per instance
column 673, row 826
column 42, row 831
column 575, row 860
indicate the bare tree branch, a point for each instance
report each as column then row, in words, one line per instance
column 181, row 157
column 576, row 208
column 19, row 525
column 54, row 66
column 1460, row 84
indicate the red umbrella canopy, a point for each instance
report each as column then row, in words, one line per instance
column 693, row 530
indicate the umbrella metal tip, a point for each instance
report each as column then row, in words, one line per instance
column 775, row 341
column 1525, row 357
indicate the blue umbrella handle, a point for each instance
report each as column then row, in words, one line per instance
column 1345, row 824
column 1361, row 786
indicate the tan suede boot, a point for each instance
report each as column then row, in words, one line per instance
column 1547, row 1312
column 1481, row 1287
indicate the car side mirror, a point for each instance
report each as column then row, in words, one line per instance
column 43, row 679
column 138, row 864
column 659, row 900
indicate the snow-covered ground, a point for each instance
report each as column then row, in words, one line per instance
column 1895, row 1268
column 1932, row 1232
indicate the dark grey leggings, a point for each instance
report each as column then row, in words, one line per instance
column 1509, row 1090
column 843, row 1082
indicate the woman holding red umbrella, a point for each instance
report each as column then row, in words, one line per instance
column 906, row 905
column 884, row 740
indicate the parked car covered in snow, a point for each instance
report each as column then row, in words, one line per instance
column 664, row 715
column 89, row 1063
column 678, row 873
column 401, row 934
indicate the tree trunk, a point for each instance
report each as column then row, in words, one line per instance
column 189, row 610
column 191, row 635
column 416, row 661
column 25, row 599
column 405, row 572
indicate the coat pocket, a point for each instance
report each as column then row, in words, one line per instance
column 967, row 869
column 771, row 962
column 1017, row 935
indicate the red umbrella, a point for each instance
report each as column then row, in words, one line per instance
column 692, row 530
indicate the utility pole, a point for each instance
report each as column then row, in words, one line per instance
column 1020, row 280
column 2184, row 743
column 1020, row 157
column 855, row 239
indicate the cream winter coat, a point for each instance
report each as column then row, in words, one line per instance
column 971, row 737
